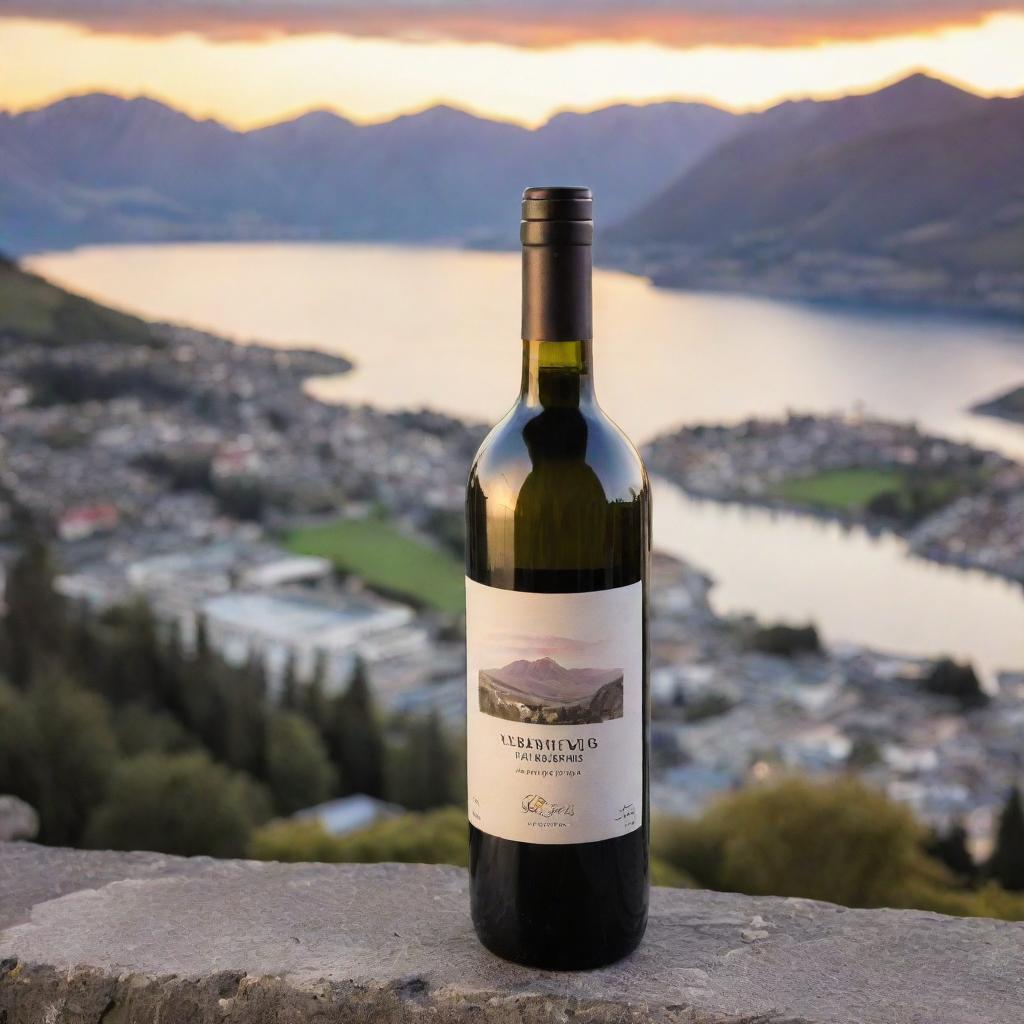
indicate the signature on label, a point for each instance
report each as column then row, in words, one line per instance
column 534, row 803
column 627, row 815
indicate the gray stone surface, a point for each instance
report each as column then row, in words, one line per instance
column 109, row 938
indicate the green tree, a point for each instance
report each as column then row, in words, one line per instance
column 950, row 848
column 355, row 741
column 313, row 698
column 70, row 752
column 182, row 803
column 141, row 730
column 290, row 690
column 843, row 842
column 133, row 666
column 786, row 641
column 422, row 767
column 35, row 626
column 299, row 772
column 17, row 767
column 1007, row 863
column 951, row 679
column 176, row 665
column 243, row 739
column 200, row 691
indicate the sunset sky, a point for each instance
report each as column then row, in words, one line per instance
column 251, row 62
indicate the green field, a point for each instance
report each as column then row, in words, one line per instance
column 382, row 556
column 846, row 489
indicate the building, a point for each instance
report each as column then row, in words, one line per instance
column 83, row 521
column 257, row 600
column 224, row 566
column 307, row 626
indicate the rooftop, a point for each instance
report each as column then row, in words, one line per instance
column 297, row 616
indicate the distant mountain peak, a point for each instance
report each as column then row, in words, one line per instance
column 320, row 115
column 92, row 102
column 106, row 107
column 310, row 125
column 442, row 114
column 921, row 84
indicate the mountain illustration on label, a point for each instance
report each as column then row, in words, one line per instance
column 542, row 692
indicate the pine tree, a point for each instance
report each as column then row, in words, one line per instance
column 201, row 690
column 1007, row 863
column 950, row 847
column 313, row 700
column 202, row 647
column 86, row 651
column 290, row 684
column 244, row 724
column 134, row 663
column 423, row 767
column 299, row 772
column 175, row 662
column 35, row 626
column 73, row 751
column 355, row 739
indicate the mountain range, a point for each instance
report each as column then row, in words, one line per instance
column 909, row 194
column 97, row 168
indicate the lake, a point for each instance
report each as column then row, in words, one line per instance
column 438, row 328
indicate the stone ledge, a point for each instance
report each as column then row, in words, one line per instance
column 118, row 938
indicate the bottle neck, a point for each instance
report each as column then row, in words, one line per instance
column 556, row 283
column 557, row 374
column 557, row 327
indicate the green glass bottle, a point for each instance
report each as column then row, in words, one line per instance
column 558, row 550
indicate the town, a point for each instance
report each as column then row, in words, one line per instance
column 178, row 472
column 955, row 503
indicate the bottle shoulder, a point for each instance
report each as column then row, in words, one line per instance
column 531, row 440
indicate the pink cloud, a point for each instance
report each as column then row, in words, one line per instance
column 531, row 23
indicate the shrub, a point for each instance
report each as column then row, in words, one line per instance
column 183, row 803
column 841, row 842
column 433, row 837
column 786, row 641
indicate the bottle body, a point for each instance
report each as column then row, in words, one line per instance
column 558, row 547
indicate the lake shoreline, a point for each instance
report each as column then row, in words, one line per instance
column 865, row 287
column 877, row 474
column 699, row 277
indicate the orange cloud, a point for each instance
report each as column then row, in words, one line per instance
column 525, row 24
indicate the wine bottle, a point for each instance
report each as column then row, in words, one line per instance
column 558, row 551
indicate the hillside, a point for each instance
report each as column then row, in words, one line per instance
column 896, row 194
column 788, row 163
column 98, row 168
column 1007, row 406
column 32, row 308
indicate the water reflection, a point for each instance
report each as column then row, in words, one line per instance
column 855, row 586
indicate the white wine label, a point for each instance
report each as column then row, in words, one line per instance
column 555, row 713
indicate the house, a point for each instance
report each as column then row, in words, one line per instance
column 83, row 521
